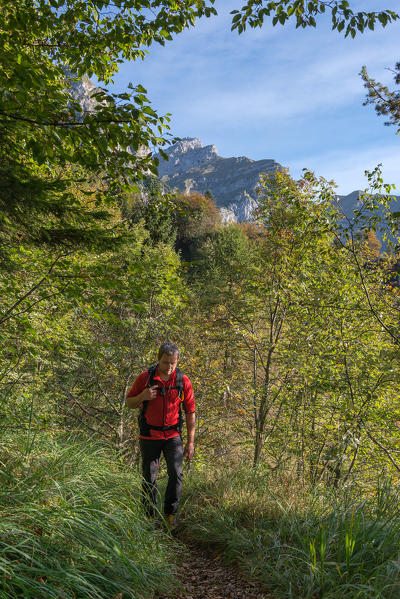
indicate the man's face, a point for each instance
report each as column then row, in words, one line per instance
column 167, row 364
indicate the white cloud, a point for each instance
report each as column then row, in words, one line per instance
column 292, row 95
column 211, row 74
column 347, row 173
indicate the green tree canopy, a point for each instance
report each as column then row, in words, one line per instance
column 386, row 101
column 47, row 140
column 343, row 17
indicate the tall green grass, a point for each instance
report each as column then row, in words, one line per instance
column 308, row 544
column 71, row 525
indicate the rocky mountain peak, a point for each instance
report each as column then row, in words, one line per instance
column 186, row 154
column 185, row 145
column 192, row 166
column 83, row 91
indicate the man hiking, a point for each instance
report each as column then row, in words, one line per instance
column 160, row 392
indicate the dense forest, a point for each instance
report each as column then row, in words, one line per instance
column 288, row 328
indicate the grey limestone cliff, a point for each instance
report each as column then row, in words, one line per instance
column 192, row 166
column 354, row 202
column 232, row 181
column 82, row 91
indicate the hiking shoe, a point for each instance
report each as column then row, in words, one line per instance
column 171, row 523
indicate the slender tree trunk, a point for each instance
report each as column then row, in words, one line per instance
column 260, row 416
column 121, row 425
column 263, row 410
column 257, row 441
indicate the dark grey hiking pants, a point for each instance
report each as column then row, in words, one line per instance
column 151, row 453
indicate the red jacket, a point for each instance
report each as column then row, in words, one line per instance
column 164, row 411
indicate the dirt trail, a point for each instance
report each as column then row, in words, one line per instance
column 202, row 576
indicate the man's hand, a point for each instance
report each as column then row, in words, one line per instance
column 149, row 393
column 188, row 451
column 146, row 395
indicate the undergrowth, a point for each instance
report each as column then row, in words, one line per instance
column 305, row 544
column 71, row 525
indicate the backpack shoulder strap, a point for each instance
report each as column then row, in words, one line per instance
column 150, row 382
column 179, row 380
column 151, row 372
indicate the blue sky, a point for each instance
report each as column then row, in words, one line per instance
column 291, row 95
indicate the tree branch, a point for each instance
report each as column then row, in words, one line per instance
column 386, row 451
column 7, row 315
column 55, row 123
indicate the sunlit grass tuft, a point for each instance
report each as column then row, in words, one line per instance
column 312, row 544
column 71, row 525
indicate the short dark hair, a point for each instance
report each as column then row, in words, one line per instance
column 168, row 348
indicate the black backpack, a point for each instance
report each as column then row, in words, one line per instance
column 146, row 427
